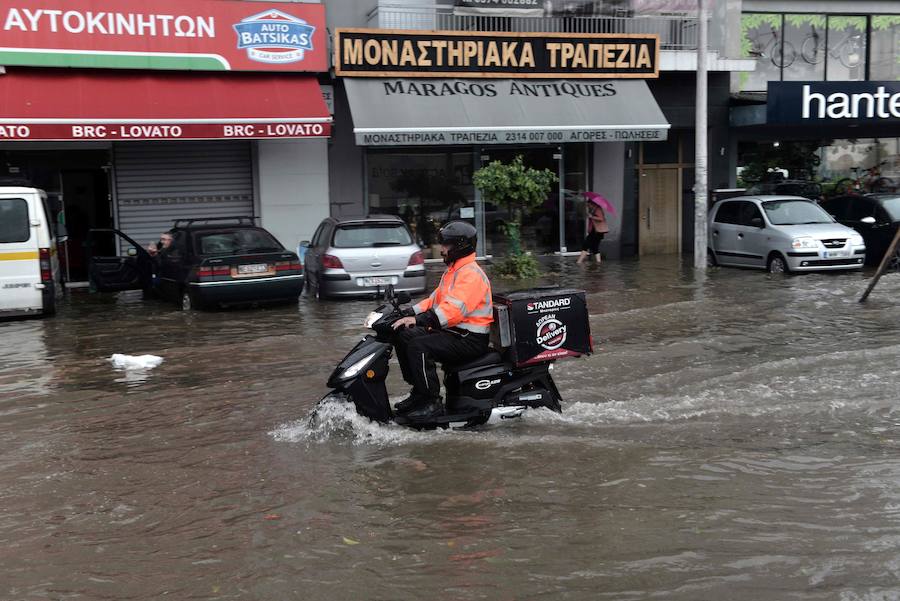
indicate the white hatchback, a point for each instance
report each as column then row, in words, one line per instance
column 780, row 234
column 29, row 266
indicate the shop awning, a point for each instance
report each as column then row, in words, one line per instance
column 403, row 112
column 57, row 104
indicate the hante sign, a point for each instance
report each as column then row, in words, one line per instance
column 202, row 35
column 396, row 53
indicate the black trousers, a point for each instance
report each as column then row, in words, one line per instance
column 418, row 348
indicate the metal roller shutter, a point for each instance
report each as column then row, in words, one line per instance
column 159, row 182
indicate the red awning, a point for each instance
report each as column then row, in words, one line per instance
column 57, row 104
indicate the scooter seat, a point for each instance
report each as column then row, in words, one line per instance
column 491, row 358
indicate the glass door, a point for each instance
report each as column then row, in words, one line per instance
column 540, row 225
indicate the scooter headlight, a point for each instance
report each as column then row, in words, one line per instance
column 372, row 318
column 353, row 370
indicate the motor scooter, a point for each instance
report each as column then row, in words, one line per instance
column 487, row 390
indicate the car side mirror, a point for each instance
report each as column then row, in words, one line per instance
column 131, row 252
column 756, row 222
column 867, row 220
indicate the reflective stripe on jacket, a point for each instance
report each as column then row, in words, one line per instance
column 462, row 299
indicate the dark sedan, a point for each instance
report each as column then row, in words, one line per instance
column 875, row 216
column 209, row 262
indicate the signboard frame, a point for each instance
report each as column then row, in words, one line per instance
column 622, row 49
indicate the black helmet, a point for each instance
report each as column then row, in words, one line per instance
column 461, row 237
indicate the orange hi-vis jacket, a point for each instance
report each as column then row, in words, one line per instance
column 463, row 298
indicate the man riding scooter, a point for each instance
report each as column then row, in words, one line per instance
column 451, row 326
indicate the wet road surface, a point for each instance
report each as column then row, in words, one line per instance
column 735, row 436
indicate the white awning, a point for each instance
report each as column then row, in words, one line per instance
column 410, row 112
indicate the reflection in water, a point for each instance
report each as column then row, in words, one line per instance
column 734, row 434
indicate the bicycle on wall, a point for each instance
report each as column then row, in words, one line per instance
column 772, row 46
column 848, row 52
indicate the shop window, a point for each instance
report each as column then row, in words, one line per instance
column 845, row 54
column 804, row 37
column 761, row 38
column 885, row 53
column 424, row 188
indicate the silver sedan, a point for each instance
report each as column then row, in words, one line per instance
column 362, row 256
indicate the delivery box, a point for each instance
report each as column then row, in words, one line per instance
column 542, row 324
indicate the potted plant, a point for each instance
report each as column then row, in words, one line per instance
column 518, row 188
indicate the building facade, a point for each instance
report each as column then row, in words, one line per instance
column 408, row 142
column 822, row 108
column 132, row 119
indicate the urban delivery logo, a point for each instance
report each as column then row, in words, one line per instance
column 274, row 37
column 551, row 332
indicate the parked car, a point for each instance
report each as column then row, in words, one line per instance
column 221, row 261
column 780, row 234
column 29, row 266
column 875, row 216
column 354, row 257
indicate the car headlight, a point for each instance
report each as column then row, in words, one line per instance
column 372, row 318
column 357, row 367
column 856, row 241
column 804, row 242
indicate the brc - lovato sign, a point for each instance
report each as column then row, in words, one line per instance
column 393, row 53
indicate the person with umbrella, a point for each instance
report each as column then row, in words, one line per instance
column 596, row 207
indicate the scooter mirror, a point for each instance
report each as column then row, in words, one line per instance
column 403, row 298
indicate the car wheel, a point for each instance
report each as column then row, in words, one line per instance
column 777, row 264
column 49, row 308
column 189, row 301
column 894, row 263
column 711, row 258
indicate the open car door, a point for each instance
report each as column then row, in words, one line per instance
column 116, row 262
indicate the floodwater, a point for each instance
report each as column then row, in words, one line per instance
column 735, row 436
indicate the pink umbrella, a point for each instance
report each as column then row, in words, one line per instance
column 600, row 201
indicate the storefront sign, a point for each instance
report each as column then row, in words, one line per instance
column 389, row 53
column 409, row 112
column 203, row 35
column 162, row 131
column 800, row 102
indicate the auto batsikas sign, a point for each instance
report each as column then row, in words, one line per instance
column 205, row 35
column 394, row 53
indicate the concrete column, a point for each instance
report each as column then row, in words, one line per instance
column 293, row 187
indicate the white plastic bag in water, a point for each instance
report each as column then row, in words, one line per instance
column 120, row 361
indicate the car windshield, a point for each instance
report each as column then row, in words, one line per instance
column 369, row 235
column 795, row 212
column 234, row 242
column 892, row 206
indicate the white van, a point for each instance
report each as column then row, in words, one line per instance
column 29, row 266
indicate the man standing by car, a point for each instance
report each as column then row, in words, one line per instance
column 452, row 325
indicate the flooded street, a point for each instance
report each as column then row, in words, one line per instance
column 735, row 436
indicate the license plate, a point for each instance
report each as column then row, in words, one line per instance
column 376, row 281
column 836, row 254
column 254, row 268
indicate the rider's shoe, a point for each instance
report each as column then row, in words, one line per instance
column 426, row 409
column 406, row 405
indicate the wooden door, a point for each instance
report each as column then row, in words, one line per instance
column 659, row 232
